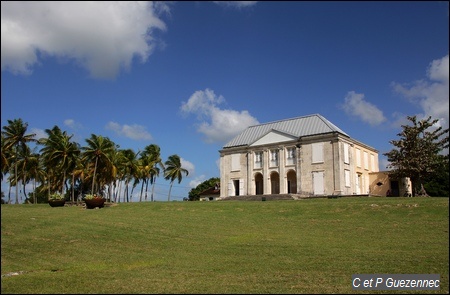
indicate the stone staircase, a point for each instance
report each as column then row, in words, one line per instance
column 278, row 197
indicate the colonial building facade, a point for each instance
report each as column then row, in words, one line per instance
column 306, row 155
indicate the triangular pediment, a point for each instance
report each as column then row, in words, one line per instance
column 273, row 136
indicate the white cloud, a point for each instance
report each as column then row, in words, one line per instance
column 218, row 125
column 196, row 181
column 356, row 106
column 101, row 36
column 39, row 133
column 188, row 166
column 236, row 4
column 431, row 94
column 72, row 124
column 136, row 132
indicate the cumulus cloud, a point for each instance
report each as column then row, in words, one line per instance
column 188, row 166
column 218, row 125
column 72, row 124
column 196, row 181
column 100, row 36
column 432, row 93
column 355, row 105
column 136, row 132
column 236, row 4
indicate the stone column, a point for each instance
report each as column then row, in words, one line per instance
column 266, row 175
column 298, row 168
column 282, row 170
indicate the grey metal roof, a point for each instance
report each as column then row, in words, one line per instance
column 298, row 127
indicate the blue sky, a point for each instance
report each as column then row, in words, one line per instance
column 189, row 76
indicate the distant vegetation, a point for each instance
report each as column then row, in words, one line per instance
column 62, row 165
column 194, row 194
column 101, row 167
column 418, row 154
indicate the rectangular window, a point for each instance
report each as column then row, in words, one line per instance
column 366, row 161
column 346, row 154
column 358, row 158
column 258, row 160
column 235, row 162
column 317, row 152
column 290, row 156
column 274, row 158
column 347, row 178
column 372, row 162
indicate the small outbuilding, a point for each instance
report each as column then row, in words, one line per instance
column 210, row 194
column 381, row 184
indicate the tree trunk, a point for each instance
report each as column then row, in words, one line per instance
column 170, row 189
column 423, row 192
column 73, row 188
column 93, row 178
column 153, row 189
column 17, row 187
column 142, row 190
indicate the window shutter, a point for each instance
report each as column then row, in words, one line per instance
column 317, row 152
column 346, row 157
column 230, row 189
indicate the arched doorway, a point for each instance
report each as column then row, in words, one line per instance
column 259, row 184
column 291, row 182
column 275, row 183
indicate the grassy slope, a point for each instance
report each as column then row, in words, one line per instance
column 305, row 246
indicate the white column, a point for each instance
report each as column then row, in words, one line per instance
column 282, row 170
column 266, row 175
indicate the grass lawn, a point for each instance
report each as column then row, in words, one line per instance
column 305, row 246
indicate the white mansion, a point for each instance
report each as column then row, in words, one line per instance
column 306, row 155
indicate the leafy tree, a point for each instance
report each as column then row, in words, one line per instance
column 5, row 154
column 98, row 153
column 152, row 157
column 417, row 154
column 26, row 162
column 194, row 194
column 174, row 171
column 15, row 137
column 437, row 185
column 60, row 155
column 118, row 166
column 129, row 165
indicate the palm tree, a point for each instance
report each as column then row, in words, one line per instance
column 174, row 171
column 5, row 154
column 35, row 172
column 131, row 169
column 152, row 153
column 142, row 175
column 39, row 175
column 78, row 174
column 60, row 155
column 98, row 150
column 25, row 161
column 118, row 167
column 15, row 137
